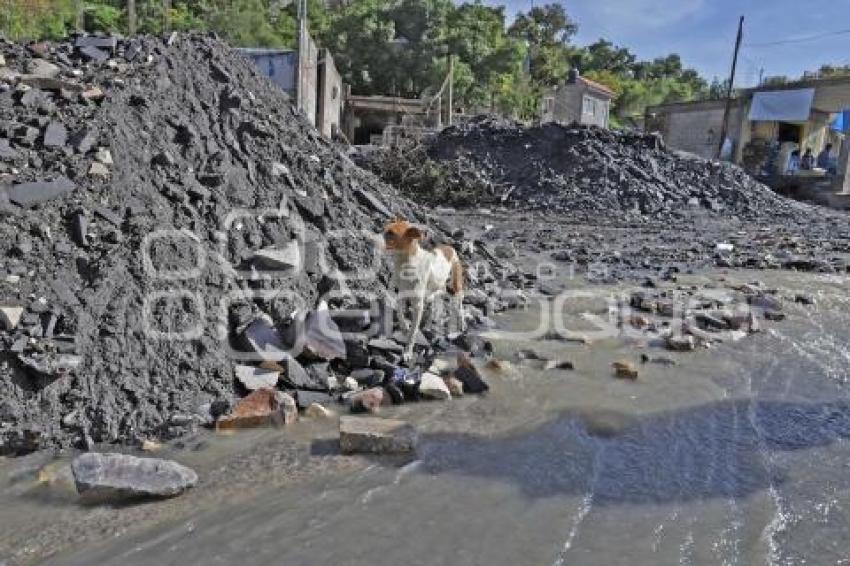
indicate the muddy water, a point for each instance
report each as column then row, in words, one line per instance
column 735, row 455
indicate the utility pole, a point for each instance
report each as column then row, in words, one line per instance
column 761, row 76
column 301, row 38
column 131, row 17
column 79, row 20
column 450, row 95
column 724, row 126
column 166, row 15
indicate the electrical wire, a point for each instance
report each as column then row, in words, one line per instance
column 798, row 39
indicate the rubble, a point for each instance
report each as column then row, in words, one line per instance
column 116, row 477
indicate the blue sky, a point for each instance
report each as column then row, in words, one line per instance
column 703, row 31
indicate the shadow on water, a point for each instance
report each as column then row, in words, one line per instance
column 716, row 450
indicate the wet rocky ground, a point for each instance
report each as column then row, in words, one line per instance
column 615, row 340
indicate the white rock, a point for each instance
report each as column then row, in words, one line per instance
column 98, row 170
column 103, row 155
column 433, row 387
column 11, row 316
column 254, row 378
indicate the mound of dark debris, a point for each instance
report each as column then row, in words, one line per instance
column 168, row 219
column 583, row 171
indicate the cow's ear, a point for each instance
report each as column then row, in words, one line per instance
column 414, row 233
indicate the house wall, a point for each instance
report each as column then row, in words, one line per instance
column 697, row 129
column 565, row 104
column 277, row 64
column 329, row 111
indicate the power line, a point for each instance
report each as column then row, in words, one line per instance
column 798, row 39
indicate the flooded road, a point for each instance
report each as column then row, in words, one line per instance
column 737, row 454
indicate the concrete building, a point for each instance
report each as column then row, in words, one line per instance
column 578, row 100
column 313, row 83
column 765, row 125
column 798, row 113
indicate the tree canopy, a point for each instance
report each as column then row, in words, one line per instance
column 401, row 47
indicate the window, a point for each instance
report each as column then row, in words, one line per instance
column 588, row 106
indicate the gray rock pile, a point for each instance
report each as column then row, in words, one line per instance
column 584, row 171
column 169, row 221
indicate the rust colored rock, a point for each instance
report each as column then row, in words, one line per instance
column 370, row 400
column 625, row 370
column 263, row 407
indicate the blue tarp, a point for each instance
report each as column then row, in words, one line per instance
column 841, row 123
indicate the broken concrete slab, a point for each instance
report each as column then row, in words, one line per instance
column 36, row 192
column 371, row 435
column 253, row 378
column 263, row 407
column 120, row 476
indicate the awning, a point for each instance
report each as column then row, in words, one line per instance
column 782, row 105
column 841, row 123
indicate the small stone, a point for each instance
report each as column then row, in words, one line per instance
column 120, row 476
column 318, row 411
column 625, row 370
column 369, row 400
column 151, row 446
column 98, row 170
column 372, row 435
column 433, row 387
column 455, row 386
column 263, row 407
column 680, row 343
column 558, row 364
column 775, row 316
column 103, row 155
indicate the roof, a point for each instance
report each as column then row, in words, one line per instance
column 597, row 86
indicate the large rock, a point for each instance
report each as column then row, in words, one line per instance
column 263, row 407
column 373, row 435
column 120, row 476
column 433, row 387
column 469, row 375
